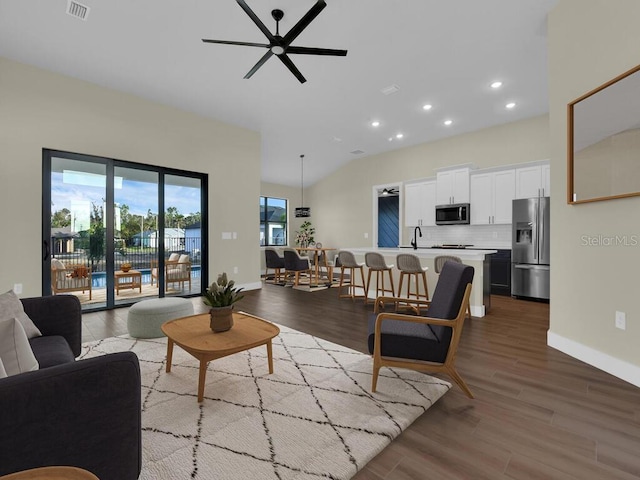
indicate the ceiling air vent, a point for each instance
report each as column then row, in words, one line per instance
column 357, row 152
column 391, row 89
column 77, row 10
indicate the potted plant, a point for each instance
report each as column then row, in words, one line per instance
column 220, row 296
column 304, row 236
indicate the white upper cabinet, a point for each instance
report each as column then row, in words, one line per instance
column 452, row 186
column 420, row 204
column 504, row 191
column 492, row 194
column 533, row 181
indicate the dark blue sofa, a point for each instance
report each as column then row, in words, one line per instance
column 84, row 413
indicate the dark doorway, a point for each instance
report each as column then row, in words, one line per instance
column 388, row 226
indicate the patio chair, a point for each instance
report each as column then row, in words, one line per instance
column 70, row 278
column 178, row 272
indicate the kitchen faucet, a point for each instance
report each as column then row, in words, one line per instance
column 414, row 242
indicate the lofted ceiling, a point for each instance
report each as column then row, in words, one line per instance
column 445, row 53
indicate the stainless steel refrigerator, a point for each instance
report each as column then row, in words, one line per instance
column 530, row 248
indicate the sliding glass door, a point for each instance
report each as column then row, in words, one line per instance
column 75, row 244
column 115, row 231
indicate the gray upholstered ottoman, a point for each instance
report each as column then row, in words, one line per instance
column 146, row 317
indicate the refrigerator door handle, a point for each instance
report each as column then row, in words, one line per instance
column 541, row 227
column 535, row 232
column 524, row 266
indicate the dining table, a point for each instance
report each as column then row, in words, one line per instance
column 317, row 252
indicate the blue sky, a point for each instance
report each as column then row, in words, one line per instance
column 78, row 196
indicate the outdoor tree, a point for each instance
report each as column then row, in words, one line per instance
column 61, row 218
column 173, row 218
column 192, row 219
column 96, row 235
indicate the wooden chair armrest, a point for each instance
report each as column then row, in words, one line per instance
column 414, row 301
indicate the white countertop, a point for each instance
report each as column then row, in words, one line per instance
column 425, row 252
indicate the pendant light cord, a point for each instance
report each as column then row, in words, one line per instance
column 302, row 180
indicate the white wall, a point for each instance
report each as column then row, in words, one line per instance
column 590, row 43
column 40, row 109
column 342, row 203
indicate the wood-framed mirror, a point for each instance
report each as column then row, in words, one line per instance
column 604, row 141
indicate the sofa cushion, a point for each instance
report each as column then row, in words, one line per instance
column 51, row 350
column 57, row 264
column 11, row 307
column 15, row 351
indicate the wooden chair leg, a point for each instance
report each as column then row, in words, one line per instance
column 374, row 376
column 368, row 285
column 426, row 289
column 393, row 290
column 455, row 376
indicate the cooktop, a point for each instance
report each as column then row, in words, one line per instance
column 450, row 245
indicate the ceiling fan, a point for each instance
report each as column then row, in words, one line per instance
column 279, row 45
column 389, row 191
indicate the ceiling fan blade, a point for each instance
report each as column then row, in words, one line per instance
column 256, row 20
column 304, row 21
column 316, row 51
column 231, row 42
column 289, row 64
column 255, row 68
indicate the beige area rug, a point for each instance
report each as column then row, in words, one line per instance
column 313, row 418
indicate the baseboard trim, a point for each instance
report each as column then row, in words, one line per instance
column 477, row 311
column 250, row 286
column 616, row 367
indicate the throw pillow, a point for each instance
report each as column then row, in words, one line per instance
column 3, row 372
column 57, row 264
column 11, row 307
column 15, row 351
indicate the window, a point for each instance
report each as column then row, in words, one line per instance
column 273, row 221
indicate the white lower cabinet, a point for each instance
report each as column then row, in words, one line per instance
column 492, row 194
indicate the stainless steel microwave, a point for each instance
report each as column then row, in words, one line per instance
column 454, row 214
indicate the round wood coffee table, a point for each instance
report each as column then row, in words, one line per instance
column 194, row 336
column 52, row 473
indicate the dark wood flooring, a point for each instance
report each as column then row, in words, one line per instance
column 538, row 413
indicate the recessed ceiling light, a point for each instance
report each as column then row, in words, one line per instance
column 448, row 122
column 510, row 105
column 390, row 139
column 427, row 106
column 399, row 135
column 496, row 84
column 375, row 123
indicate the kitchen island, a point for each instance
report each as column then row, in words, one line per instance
column 480, row 260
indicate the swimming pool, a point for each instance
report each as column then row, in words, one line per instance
column 99, row 279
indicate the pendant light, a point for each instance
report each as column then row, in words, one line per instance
column 302, row 211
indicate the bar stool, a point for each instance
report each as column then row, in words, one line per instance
column 439, row 262
column 348, row 261
column 375, row 262
column 409, row 264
